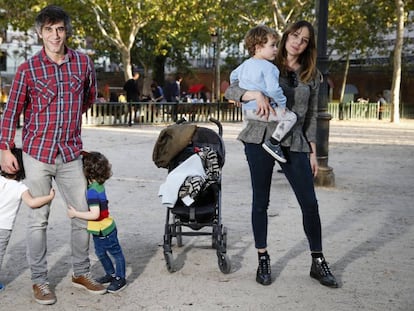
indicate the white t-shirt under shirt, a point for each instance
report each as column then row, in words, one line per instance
column 10, row 198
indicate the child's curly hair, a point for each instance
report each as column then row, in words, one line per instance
column 17, row 152
column 258, row 35
column 96, row 166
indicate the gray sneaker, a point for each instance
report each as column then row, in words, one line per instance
column 274, row 150
column 43, row 294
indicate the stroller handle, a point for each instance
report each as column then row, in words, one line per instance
column 182, row 120
column 218, row 123
column 215, row 121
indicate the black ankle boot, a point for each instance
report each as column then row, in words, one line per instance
column 263, row 275
column 320, row 271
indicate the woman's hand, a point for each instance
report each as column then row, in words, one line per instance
column 314, row 164
column 313, row 160
column 263, row 105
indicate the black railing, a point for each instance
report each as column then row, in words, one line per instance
column 163, row 113
column 153, row 113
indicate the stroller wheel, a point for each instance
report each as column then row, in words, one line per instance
column 169, row 260
column 224, row 263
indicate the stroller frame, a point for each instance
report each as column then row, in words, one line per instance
column 197, row 217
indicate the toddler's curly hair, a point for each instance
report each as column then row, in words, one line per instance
column 20, row 175
column 258, row 35
column 96, row 166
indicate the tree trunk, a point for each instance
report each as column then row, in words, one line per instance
column 126, row 62
column 396, row 78
column 146, row 89
column 341, row 97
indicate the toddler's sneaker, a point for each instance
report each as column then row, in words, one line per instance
column 274, row 150
column 106, row 279
column 117, row 285
column 2, row 287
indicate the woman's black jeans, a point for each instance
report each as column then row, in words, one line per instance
column 299, row 174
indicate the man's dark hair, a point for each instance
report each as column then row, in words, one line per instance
column 53, row 14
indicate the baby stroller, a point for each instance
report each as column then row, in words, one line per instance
column 202, row 208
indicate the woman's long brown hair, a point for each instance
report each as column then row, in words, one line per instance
column 307, row 59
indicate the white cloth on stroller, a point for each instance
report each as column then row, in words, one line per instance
column 168, row 191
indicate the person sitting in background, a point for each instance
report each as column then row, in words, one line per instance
column 157, row 94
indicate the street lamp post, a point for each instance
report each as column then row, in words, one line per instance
column 218, row 91
column 214, row 39
column 325, row 175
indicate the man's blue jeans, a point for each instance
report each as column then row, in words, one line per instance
column 109, row 244
column 299, row 174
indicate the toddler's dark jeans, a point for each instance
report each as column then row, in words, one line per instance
column 110, row 245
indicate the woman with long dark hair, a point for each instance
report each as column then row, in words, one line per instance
column 300, row 80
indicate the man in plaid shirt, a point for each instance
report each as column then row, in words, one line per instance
column 52, row 89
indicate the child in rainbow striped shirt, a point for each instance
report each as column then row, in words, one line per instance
column 101, row 225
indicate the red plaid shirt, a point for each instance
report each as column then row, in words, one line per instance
column 54, row 96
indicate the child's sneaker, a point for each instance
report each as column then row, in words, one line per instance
column 106, row 279
column 117, row 285
column 2, row 287
column 274, row 150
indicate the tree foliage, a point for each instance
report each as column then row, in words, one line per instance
column 148, row 32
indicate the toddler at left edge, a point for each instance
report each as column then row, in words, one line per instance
column 12, row 192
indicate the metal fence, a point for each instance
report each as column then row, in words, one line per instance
column 359, row 111
column 367, row 111
column 159, row 113
column 154, row 113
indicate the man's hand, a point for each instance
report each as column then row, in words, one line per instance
column 9, row 162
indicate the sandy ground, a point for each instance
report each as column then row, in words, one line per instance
column 368, row 227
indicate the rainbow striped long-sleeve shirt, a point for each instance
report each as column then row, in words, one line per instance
column 96, row 196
